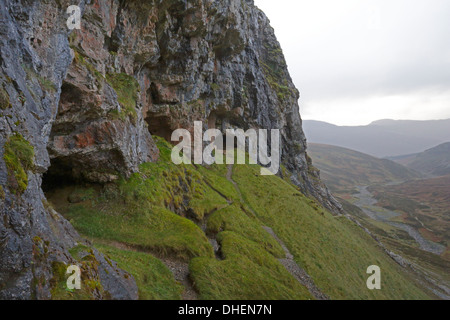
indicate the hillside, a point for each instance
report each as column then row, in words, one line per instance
column 227, row 232
column 432, row 162
column 343, row 169
column 384, row 138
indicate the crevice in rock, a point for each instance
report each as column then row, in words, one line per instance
column 154, row 94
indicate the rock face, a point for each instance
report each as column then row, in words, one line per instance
column 83, row 105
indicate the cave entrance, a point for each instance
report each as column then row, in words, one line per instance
column 58, row 175
column 64, row 186
column 160, row 126
column 64, row 175
column 61, row 187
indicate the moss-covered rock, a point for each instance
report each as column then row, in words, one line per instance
column 127, row 89
column 18, row 156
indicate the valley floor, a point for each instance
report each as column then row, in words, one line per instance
column 423, row 256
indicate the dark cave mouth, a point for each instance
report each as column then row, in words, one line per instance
column 62, row 187
column 160, row 126
column 59, row 174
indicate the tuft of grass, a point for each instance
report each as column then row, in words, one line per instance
column 154, row 280
column 215, row 86
column 18, row 156
column 127, row 89
column 215, row 176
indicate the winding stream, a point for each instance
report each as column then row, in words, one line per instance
column 367, row 203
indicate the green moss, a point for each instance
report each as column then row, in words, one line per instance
column 277, row 82
column 58, row 285
column 18, row 156
column 127, row 89
column 59, row 269
column 2, row 193
column 274, row 73
column 4, row 99
column 215, row 86
column 76, row 252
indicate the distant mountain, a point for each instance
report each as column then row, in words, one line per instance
column 342, row 169
column 434, row 161
column 381, row 138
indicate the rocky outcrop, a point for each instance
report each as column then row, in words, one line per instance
column 86, row 103
column 34, row 239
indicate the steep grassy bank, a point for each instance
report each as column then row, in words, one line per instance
column 333, row 250
column 195, row 214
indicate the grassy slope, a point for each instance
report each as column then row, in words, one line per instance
column 334, row 251
column 138, row 214
column 343, row 169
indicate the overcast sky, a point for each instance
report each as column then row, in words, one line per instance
column 356, row 61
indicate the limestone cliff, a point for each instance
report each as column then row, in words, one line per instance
column 84, row 105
